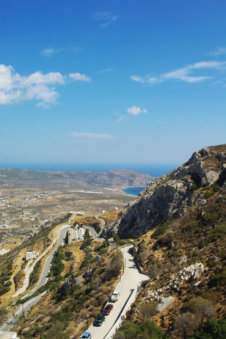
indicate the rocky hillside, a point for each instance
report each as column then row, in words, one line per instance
column 73, row 179
column 169, row 197
column 180, row 226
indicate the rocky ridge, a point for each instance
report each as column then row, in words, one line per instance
column 168, row 197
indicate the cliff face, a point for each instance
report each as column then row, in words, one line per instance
column 169, row 196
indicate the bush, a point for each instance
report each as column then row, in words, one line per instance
column 211, row 329
column 35, row 273
column 88, row 259
column 96, row 227
column 144, row 330
column 160, row 230
column 185, row 323
column 218, row 280
column 68, row 255
column 5, row 274
column 87, row 240
column 217, row 232
column 153, row 270
column 148, row 309
column 210, row 219
column 114, row 268
column 165, row 240
column 199, row 306
column 208, row 194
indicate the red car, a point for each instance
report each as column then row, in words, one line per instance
column 107, row 309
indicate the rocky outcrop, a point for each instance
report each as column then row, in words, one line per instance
column 190, row 273
column 169, row 196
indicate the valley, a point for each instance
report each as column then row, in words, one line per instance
column 32, row 200
column 164, row 252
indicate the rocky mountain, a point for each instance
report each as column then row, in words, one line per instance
column 73, row 179
column 179, row 226
column 169, row 197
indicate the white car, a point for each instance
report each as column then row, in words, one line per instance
column 115, row 296
column 86, row 335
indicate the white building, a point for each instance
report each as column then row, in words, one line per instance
column 31, row 255
column 75, row 234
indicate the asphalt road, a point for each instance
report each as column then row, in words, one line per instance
column 127, row 287
column 24, row 309
column 46, row 268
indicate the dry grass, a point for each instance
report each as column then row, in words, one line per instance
column 76, row 260
column 110, row 216
column 84, row 220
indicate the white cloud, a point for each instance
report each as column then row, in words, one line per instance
column 79, row 77
column 145, row 80
column 135, row 110
column 107, row 18
column 48, row 52
column 184, row 74
column 15, row 88
column 88, row 135
column 219, row 51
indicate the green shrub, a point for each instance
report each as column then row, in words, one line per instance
column 160, row 230
column 216, row 233
column 194, row 187
column 210, row 219
column 68, row 255
column 5, row 275
column 145, row 330
column 114, row 268
column 199, row 306
column 215, row 187
column 88, row 259
column 87, row 240
column 96, row 226
column 35, row 273
column 208, row 194
column 218, row 280
column 211, row 329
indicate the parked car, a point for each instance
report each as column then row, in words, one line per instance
column 115, row 296
column 99, row 320
column 86, row 335
column 107, row 309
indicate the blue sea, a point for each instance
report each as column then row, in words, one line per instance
column 134, row 190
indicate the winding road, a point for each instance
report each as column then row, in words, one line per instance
column 46, row 268
column 24, row 309
column 129, row 282
column 127, row 287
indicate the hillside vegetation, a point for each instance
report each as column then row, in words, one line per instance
column 184, row 251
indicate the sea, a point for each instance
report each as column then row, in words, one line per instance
column 134, row 190
column 154, row 170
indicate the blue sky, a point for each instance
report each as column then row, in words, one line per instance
column 111, row 81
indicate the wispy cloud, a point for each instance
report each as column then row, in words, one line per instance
column 145, row 79
column 219, row 51
column 133, row 110
column 15, row 88
column 105, row 18
column 49, row 52
column 79, row 77
column 88, row 135
column 184, row 74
